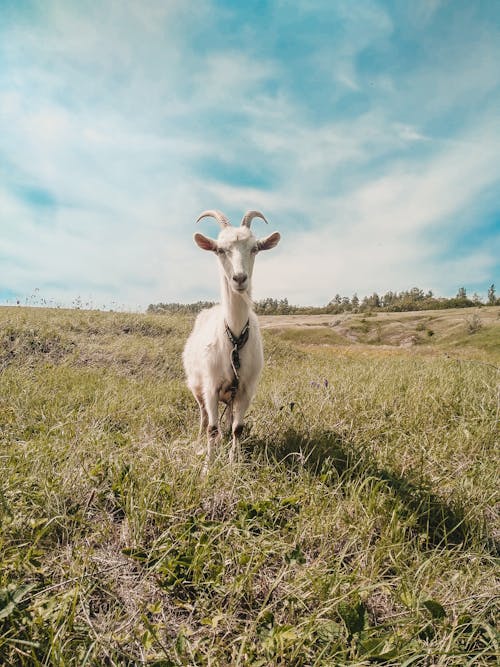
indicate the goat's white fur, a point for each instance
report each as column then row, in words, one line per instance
column 207, row 354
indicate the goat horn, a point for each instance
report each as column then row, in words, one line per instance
column 220, row 217
column 249, row 216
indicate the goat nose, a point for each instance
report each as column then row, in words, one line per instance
column 239, row 278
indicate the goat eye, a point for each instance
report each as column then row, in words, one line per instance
column 220, row 251
column 255, row 250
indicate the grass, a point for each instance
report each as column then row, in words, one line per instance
column 359, row 527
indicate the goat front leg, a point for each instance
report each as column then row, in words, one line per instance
column 203, row 414
column 228, row 417
column 213, row 435
column 240, row 406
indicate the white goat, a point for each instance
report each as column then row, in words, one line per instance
column 223, row 356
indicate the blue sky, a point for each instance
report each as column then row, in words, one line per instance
column 367, row 132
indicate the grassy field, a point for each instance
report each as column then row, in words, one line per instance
column 360, row 527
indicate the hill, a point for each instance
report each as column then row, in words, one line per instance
column 473, row 333
column 360, row 525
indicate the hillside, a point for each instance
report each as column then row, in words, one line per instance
column 474, row 332
column 360, row 525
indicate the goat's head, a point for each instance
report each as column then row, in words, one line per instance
column 236, row 248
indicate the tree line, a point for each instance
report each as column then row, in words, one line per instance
column 407, row 300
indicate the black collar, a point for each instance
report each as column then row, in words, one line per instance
column 237, row 342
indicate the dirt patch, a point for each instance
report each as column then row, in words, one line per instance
column 284, row 321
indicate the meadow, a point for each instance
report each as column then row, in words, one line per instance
column 360, row 525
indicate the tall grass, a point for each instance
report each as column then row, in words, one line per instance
column 360, row 525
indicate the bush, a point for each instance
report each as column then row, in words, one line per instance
column 474, row 324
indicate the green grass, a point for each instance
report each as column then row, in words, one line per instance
column 310, row 335
column 359, row 527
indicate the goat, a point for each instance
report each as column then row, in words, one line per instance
column 223, row 356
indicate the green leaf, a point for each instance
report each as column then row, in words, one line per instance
column 353, row 616
column 407, row 598
column 436, row 610
column 7, row 609
column 181, row 642
column 379, row 648
column 330, row 631
column 155, row 607
column 11, row 598
column 295, row 556
column 213, row 621
column 266, row 620
column 428, row 632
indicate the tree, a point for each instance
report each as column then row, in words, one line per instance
column 283, row 307
column 416, row 294
column 462, row 293
column 491, row 295
column 476, row 299
column 346, row 303
column 389, row 298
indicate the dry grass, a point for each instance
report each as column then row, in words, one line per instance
column 360, row 526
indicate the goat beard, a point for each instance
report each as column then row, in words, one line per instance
column 247, row 299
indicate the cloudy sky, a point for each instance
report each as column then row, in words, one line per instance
column 367, row 132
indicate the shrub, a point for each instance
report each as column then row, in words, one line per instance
column 474, row 324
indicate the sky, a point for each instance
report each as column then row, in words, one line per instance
column 367, row 132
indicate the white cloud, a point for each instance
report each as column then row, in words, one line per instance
column 115, row 113
column 383, row 233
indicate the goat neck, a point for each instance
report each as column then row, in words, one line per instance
column 235, row 307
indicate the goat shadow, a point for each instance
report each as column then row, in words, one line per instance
column 327, row 455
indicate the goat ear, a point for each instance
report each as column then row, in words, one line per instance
column 204, row 242
column 269, row 241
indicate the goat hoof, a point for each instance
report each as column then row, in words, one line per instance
column 213, row 432
column 238, row 430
